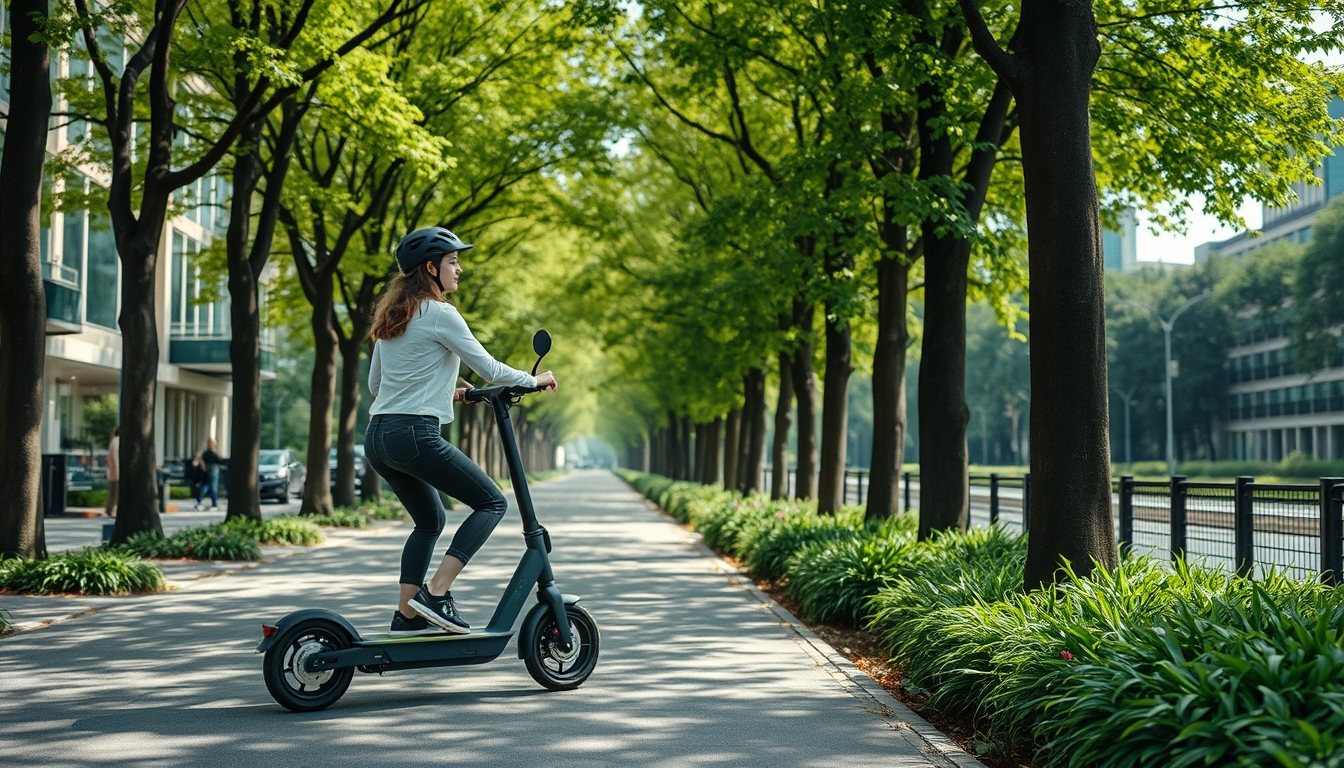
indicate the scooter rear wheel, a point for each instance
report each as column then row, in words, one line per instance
column 296, row 688
column 552, row 666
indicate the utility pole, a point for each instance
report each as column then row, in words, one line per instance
column 1167, row 325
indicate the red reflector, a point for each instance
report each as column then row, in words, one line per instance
column 267, row 630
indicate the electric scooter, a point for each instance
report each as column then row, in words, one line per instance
column 312, row 654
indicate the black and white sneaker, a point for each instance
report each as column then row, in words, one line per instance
column 404, row 627
column 439, row 611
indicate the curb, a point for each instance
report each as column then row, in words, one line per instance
column 930, row 741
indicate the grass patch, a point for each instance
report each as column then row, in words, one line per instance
column 89, row 571
column 384, row 509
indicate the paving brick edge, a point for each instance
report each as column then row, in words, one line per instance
column 930, row 741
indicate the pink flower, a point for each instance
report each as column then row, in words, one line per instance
column 780, row 515
column 1067, row 656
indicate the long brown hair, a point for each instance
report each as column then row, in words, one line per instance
column 400, row 302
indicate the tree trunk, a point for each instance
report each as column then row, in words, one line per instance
column 834, row 416
column 677, row 471
column 754, row 420
column 317, row 485
column 713, row 452
column 138, row 498
column 700, row 467
column 889, row 424
column 23, row 306
column 744, row 437
column 805, row 390
column 1071, row 485
column 779, row 450
column 687, row 449
column 344, row 493
column 732, row 437
column 943, row 415
column 246, row 258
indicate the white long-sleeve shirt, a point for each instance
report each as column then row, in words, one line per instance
column 416, row 372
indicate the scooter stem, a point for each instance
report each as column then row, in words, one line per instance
column 514, row 460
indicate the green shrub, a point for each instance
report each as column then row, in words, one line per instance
column 282, row 529
column 384, row 509
column 179, row 492
column 770, row 549
column 341, row 517
column 833, row 580
column 209, row 542
column 92, row 498
column 89, row 571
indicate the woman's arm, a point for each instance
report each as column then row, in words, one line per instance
column 452, row 332
column 375, row 371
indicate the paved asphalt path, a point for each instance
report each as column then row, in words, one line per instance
column 694, row 670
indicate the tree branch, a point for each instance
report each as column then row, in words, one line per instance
column 1004, row 64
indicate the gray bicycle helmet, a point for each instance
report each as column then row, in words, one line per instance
column 426, row 244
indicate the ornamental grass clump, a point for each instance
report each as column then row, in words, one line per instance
column 88, row 571
column 341, row 517
column 209, row 542
column 279, row 530
column 768, row 551
column 833, row 580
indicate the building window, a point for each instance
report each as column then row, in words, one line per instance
column 192, row 313
column 1261, row 405
column 101, row 303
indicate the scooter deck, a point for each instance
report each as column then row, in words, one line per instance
column 378, row 653
column 383, row 638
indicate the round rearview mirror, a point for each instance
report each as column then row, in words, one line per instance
column 541, row 343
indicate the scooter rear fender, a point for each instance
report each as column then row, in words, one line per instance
column 304, row 615
column 528, row 631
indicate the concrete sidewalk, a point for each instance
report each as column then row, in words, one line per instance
column 696, row 667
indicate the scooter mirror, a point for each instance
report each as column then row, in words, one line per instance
column 541, row 344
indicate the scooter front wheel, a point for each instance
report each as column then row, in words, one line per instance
column 553, row 666
column 283, row 666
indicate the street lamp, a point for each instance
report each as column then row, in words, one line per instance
column 1129, row 397
column 1167, row 325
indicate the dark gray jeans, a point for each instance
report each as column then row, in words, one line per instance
column 417, row 463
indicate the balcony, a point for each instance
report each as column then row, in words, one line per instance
column 210, row 354
column 63, row 314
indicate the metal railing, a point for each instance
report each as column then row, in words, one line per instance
column 1242, row 526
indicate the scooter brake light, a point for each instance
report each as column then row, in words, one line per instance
column 268, row 631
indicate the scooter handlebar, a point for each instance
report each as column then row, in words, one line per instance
column 481, row 394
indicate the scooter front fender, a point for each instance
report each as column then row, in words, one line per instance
column 304, row 615
column 527, row 633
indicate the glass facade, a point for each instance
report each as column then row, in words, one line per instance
column 193, row 312
column 102, row 292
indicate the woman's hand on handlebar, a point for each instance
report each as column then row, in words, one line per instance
column 460, row 395
column 546, row 380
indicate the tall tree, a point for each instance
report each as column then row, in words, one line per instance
column 23, row 307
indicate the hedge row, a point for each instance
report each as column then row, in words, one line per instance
column 1151, row 665
column 98, row 496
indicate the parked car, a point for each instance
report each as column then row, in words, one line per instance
column 359, row 467
column 282, row 475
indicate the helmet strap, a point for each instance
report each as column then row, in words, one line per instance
column 437, row 277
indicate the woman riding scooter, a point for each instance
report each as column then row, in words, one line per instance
column 421, row 340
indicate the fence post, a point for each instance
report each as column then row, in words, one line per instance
column 844, row 487
column 1177, row 516
column 1126, row 514
column 907, row 491
column 1243, row 525
column 1026, row 503
column 860, row 491
column 993, row 498
column 1332, row 528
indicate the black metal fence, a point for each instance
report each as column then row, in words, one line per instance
column 1242, row 526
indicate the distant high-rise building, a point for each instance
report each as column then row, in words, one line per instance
column 1273, row 409
column 1292, row 222
column 1119, row 246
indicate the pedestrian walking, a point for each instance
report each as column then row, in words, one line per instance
column 207, row 469
column 113, row 472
